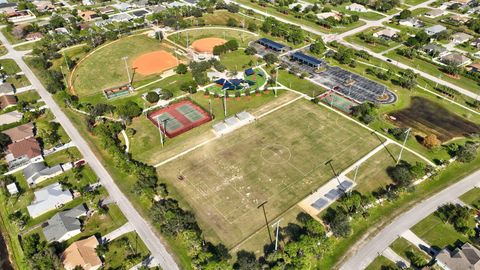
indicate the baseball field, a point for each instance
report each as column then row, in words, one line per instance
column 279, row 159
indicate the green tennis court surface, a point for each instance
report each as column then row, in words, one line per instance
column 335, row 100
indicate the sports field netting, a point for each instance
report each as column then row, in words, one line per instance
column 335, row 100
column 179, row 118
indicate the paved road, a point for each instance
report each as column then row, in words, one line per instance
column 367, row 252
column 368, row 24
column 142, row 227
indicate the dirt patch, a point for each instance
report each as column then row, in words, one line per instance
column 206, row 45
column 429, row 117
column 154, row 62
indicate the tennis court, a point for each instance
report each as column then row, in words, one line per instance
column 179, row 118
column 338, row 101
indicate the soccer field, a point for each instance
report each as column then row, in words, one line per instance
column 279, row 159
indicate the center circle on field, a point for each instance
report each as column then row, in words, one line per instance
column 276, row 154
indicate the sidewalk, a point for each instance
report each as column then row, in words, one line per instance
column 418, row 242
column 126, row 228
column 394, row 257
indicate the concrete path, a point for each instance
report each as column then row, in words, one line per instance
column 125, row 228
column 366, row 252
column 394, row 257
column 127, row 142
column 418, row 242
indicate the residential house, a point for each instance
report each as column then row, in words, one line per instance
column 82, row 253
column 6, row 89
column 87, row 2
column 36, row 173
column 121, row 17
column 33, row 36
column 435, row 50
column 434, row 13
column 12, row 188
column 475, row 67
column 139, row 13
column 88, row 15
column 62, row 31
column 176, row 4
column 106, row 10
column 157, row 8
column 475, row 43
column 463, row 258
column 23, row 152
column 10, row 117
column 411, row 22
column 122, row 6
column 460, row 37
column 456, row 58
column 64, row 225
column 435, row 30
column 44, row 6
column 386, row 34
column 7, row 101
column 49, row 198
column 20, row 133
column 459, row 19
column 8, row 8
column 21, row 16
column 356, row 7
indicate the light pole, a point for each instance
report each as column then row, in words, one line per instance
column 329, row 162
column 276, row 224
column 160, row 130
column 276, row 80
column 126, row 68
column 262, row 205
column 403, row 145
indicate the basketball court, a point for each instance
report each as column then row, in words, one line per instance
column 179, row 118
column 154, row 62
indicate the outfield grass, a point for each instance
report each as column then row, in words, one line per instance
column 372, row 174
column 105, row 67
column 243, row 38
column 472, row 197
column 402, row 247
column 280, row 158
column 380, row 263
column 437, row 233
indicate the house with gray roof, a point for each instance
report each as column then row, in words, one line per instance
column 463, row 258
column 435, row 50
column 6, row 88
column 64, row 225
column 456, row 58
column 49, row 198
column 37, row 172
column 435, row 30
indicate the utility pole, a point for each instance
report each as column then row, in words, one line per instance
column 160, row 131
column 126, row 68
column 262, row 205
column 403, row 145
column 276, row 224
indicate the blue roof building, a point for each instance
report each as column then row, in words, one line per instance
column 272, row 45
column 307, row 60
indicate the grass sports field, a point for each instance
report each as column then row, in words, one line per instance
column 105, row 68
column 280, row 158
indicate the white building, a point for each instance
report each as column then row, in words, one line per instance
column 357, row 8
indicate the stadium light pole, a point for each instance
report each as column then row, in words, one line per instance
column 329, row 162
column 276, row 224
column 262, row 205
column 276, row 80
column 160, row 130
column 126, row 68
column 403, row 145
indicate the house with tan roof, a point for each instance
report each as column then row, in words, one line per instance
column 23, row 152
column 20, row 133
column 467, row 257
column 33, row 36
column 460, row 37
column 456, row 58
column 7, row 101
column 88, row 15
column 386, row 34
column 82, row 253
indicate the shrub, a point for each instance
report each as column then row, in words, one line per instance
column 152, row 97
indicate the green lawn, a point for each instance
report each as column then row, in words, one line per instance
column 18, row 81
column 402, row 247
column 238, row 60
column 27, row 46
column 9, row 66
column 105, row 67
column 63, row 156
column 437, row 233
column 120, row 251
column 28, row 96
column 414, row 2
column 298, row 84
column 472, row 197
column 10, row 37
column 372, row 174
column 380, row 263
column 375, row 47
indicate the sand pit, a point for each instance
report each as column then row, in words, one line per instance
column 154, row 62
column 205, row 45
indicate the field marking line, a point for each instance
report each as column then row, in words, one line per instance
column 365, row 158
column 279, row 107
